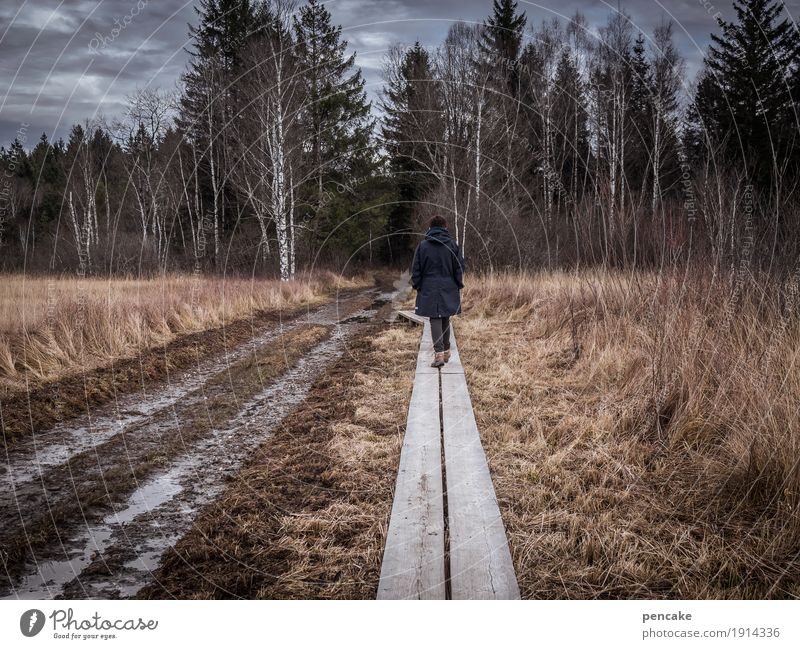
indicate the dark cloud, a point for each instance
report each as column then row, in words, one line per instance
column 63, row 62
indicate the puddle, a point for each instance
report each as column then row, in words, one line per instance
column 402, row 288
column 163, row 508
column 50, row 576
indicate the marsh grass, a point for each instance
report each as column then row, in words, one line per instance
column 52, row 326
column 642, row 431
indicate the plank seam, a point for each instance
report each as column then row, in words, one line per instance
column 447, row 586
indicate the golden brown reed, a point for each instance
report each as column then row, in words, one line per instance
column 52, row 326
column 642, row 431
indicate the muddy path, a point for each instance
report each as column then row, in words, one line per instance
column 89, row 508
column 45, row 406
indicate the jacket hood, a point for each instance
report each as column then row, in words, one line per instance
column 438, row 235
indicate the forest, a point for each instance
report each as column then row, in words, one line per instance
column 557, row 145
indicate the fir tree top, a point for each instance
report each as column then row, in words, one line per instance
column 503, row 33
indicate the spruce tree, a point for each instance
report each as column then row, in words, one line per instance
column 17, row 156
column 223, row 28
column 44, row 169
column 502, row 36
column 336, row 109
column 572, row 132
column 701, row 131
column 743, row 98
column 208, row 101
column 501, row 44
column 407, row 131
column 639, row 115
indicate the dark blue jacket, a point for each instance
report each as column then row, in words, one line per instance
column 437, row 275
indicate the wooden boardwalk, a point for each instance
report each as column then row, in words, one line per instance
column 446, row 538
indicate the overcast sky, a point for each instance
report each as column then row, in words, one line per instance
column 63, row 62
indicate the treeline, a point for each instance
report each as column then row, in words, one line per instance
column 542, row 145
column 265, row 157
column 548, row 145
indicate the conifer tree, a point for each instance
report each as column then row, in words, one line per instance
column 743, row 99
column 335, row 110
column 501, row 45
column 639, row 115
column 208, row 102
column 571, row 129
column 408, row 134
column 502, row 36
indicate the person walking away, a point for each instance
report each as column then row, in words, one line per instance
column 437, row 275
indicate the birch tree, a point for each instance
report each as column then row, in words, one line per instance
column 668, row 69
column 141, row 134
column 610, row 90
column 457, row 71
column 269, row 130
column 81, row 193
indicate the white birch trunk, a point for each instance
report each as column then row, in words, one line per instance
column 291, row 225
column 656, row 156
column 214, row 188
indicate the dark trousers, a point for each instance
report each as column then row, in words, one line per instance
column 440, row 332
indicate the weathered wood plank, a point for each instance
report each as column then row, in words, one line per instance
column 425, row 356
column 480, row 560
column 414, row 561
column 414, row 558
column 453, row 366
column 412, row 317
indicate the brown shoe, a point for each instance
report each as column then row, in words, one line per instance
column 446, row 355
column 438, row 359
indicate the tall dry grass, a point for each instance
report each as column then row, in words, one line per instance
column 643, row 430
column 51, row 326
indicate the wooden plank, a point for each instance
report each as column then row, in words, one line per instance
column 412, row 317
column 413, row 560
column 480, row 560
column 453, row 366
column 425, row 356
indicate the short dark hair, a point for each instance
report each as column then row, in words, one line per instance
column 437, row 222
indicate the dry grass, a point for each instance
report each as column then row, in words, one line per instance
column 54, row 326
column 642, row 432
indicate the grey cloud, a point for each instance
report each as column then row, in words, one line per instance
column 150, row 49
